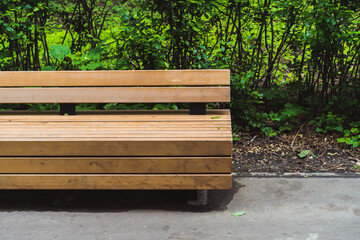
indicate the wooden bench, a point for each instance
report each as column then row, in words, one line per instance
column 179, row 149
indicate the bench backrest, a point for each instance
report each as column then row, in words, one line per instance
column 128, row 86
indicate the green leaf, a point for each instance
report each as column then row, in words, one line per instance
column 349, row 141
column 339, row 128
column 94, row 54
column 8, row 28
column 319, row 130
column 238, row 214
column 215, row 117
column 83, row 67
column 93, row 66
column 47, row 68
column 59, row 51
column 354, row 130
column 304, row 153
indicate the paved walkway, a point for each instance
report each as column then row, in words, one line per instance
column 281, row 208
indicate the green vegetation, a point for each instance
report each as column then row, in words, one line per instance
column 304, row 153
column 291, row 60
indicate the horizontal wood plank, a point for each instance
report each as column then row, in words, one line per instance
column 18, row 127
column 115, row 78
column 100, row 132
column 42, row 131
column 115, row 136
column 114, row 119
column 116, row 181
column 115, row 164
column 116, row 124
column 115, row 95
column 119, row 118
column 114, row 147
column 217, row 112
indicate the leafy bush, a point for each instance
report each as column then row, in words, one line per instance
column 352, row 136
column 328, row 122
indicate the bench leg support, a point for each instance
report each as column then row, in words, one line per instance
column 201, row 198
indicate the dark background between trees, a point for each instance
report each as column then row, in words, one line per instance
column 291, row 61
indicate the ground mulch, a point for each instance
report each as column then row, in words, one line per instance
column 259, row 153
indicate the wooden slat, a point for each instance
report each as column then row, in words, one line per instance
column 116, row 181
column 139, row 133
column 114, row 133
column 118, row 136
column 115, row 95
column 117, row 112
column 116, row 78
column 115, row 164
column 116, row 118
column 100, row 132
column 111, row 131
column 18, row 127
column 115, row 147
column 135, row 139
column 107, row 126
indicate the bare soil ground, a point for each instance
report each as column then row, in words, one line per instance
column 259, row 153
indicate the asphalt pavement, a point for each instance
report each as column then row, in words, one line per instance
column 276, row 207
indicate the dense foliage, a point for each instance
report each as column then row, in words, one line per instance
column 290, row 60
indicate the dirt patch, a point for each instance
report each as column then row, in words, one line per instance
column 258, row 153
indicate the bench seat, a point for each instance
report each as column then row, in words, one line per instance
column 113, row 150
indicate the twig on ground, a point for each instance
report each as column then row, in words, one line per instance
column 297, row 133
column 282, row 139
column 350, row 153
column 248, row 143
column 253, row 139
column 337, row 166
column 354, row 159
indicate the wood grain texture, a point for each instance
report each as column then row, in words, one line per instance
column 149, row 116
column 115, row 78
column 128, row 128
column 115, row 164
column 113, row 147
column 214, row 112
column 116, row 181
column 136, row 134
column 115, row 95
